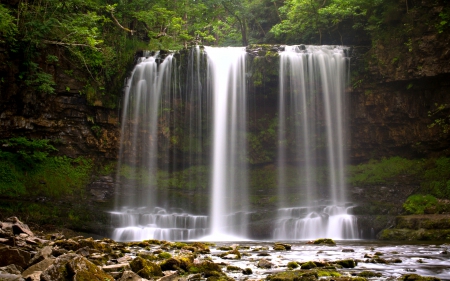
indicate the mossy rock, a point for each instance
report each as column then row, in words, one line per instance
column 145, row 268
column 296, row 275
column 235, row 253
column 164, row 255
column 233, row 268
column 416, row 277
column 348, row 263
column 178, row 245
column 279, row 247
column 225, row 248
column 328, row 273
column 247, row 271
column 287, row 247
column 170, row 264
column 292, row 265
column 308, row 265
column 201, row 248
column 324, row 241
column 204, row 267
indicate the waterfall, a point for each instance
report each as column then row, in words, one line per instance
column 226, row 67
column 311, row 132
column 184, row 171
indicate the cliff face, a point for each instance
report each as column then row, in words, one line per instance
column 66, row 117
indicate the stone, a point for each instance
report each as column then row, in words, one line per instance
column 10, row 277
column 35, row 276
column 40, row 266
column 12, row 269
column 74, row 267
column 116, row 267
column 19, row 227
column 130, row 276
column 12, row 255
column 145, row 268
column 263, row 263
column 41, row 255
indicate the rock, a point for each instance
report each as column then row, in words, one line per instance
column 12, row 255
column 145, row 268
column 35, row 276
column 263, row 263
column 172, row 276
column 12, row 269
column 292, row 265
column 116, row 267
column 348, row 250
column 323, row 241
column 74, row 267
column 278, row 247
column 10, row 277
column 247, row 271
column 308, row 265
column 170, row 264
column 349, row 263
column 40, row 266
column 285, row 246
column 41, row 255
column 19, row 227
column 130, row 276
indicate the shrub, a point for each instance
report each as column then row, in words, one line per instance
column 417, row 204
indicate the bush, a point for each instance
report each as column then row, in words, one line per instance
column 380, row 171
column 417, row 204
column 437, row 179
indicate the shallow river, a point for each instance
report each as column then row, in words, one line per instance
column 425, row 259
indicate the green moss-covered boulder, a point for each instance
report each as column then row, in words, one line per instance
column 292, row 265
column 296, row 275
column 74, row 267
column 279, row 247
column 145, row 268
column 348, row 263
column 308, row 265
column 170, row 264
column 247, row 271
column 205, row 267
column 369, row 274
column 324, row 241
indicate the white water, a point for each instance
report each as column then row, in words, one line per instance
column 226, row 73
column 214, row 121
column 311, row 135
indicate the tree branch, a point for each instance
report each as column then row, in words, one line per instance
column 121, row 26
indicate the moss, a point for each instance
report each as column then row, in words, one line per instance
column 233, row 268
column 164, row 255
column 296, row 275
column 247, row 271
column 278, row 247
column 348, row 263
column 328, row 273
column 144, row 268
column 292, row 265
column 325, row 241
column 204, row 267
column 308, row 265
column 225, row 248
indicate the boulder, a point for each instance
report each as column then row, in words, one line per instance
column 41, row 255
column 10, row 277
column 19, row 227
column 12, row 269
column 263, row 263
column 74, row 267
column 130, row 276
column 12, row 255
column 38, row 267
column 145, row 268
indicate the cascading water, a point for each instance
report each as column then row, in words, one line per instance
column 226, row 67
column 183, row 166
column 311, row 133
column 143, row 209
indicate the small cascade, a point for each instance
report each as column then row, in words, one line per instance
column 142, row 223
column 329, row 221
column 311, row 141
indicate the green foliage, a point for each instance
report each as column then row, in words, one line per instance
column 8, row 27
column 444, row 20
column 24, row 153
column 380, row 171
column 437, row 179
column 26, row 167
column 417, row 204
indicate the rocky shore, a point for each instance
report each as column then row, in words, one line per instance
column 25, row 255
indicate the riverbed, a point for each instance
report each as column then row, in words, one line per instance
column 391, row 259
